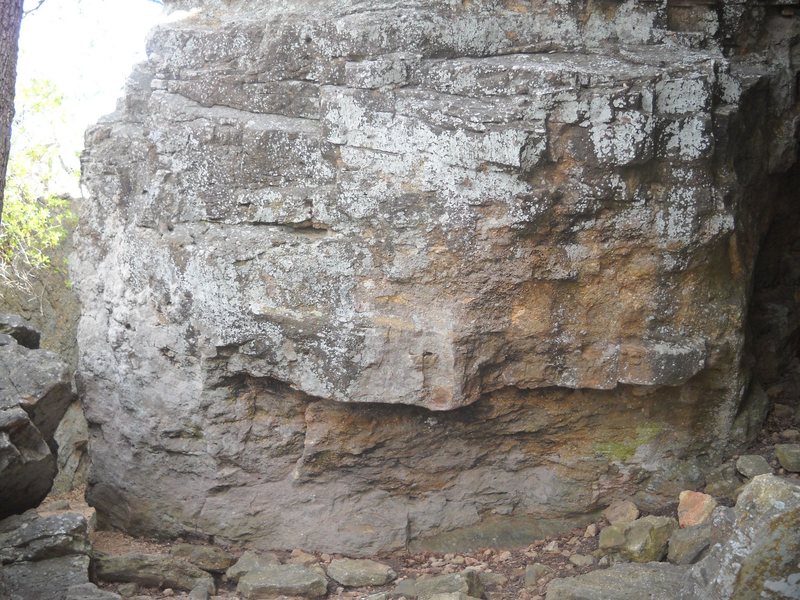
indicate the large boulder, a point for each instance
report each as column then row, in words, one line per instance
column 358, row 275
column 35, row 391
column 43, row 556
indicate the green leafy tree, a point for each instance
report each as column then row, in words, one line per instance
column 35, row 218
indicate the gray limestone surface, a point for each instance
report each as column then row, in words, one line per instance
column 357, row 275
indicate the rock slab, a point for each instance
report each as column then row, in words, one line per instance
column 360, row 572
column 274, row 581
column 43, row 556
column 208, row 558
column 788, row 456
column 152, row 570
column 249, row 561
column 751, row 465
column 653, row 581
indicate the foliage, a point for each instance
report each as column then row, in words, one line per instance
column 35, row 219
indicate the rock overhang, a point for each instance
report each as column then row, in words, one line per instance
column 349, row 211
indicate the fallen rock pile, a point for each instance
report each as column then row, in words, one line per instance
column 749, row 551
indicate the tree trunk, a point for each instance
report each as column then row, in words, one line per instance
column 10, row 19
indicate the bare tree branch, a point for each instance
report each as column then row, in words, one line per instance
column 35, row 8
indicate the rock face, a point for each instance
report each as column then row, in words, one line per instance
column 72, row 437
column 35, row 391
column 360, row 273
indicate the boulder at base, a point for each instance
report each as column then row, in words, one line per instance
column 35, row 392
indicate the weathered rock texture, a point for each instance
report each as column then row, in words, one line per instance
column 360, row 273
column 49, row 302
column 42, row 556
column 35, row 391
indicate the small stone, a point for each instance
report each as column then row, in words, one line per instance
column 289, row 580
column 591, row 531
column 551, row 547
column 128, row 589
column 467, row 582
column 208, row 558
column 790, row 434
column 686, row 545
column 503, row 556
column 150, row 570
column 360, row 572
column 621, row 511
column 89, row 591
column 199, row 592
column 168, row 592
column 789, row 456
column 783, row 411
column 612, row 536
column 579, row 560
column 405, row 587
column 604, row 561
column 490, row 579
column 751, row 465
column 58, row 505
column 458, row 560
column 534, row 572
column 694, row 508
column 250, row 561
column 300, row 557
column 723, row 482
column 642, row 540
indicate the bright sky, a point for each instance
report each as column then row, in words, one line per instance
column 87, row 47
